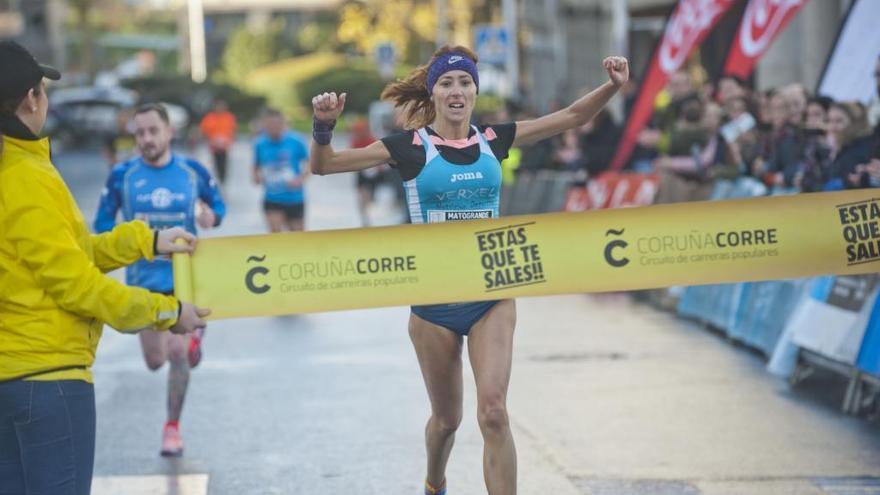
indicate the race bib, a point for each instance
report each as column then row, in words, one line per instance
column 162, row 220
column 277, row 176
column 440, row 216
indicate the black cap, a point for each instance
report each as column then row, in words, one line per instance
column 20, row 71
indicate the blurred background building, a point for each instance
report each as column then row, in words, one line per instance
column 559, row 43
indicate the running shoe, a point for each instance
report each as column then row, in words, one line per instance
column 172, row 442
column 440, row 490
column 194, row 353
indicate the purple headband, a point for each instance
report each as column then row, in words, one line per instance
column 448, row 62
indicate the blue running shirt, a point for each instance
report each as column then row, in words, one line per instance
column 162, row 197
column 280, row 162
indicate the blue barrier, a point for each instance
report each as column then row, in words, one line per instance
column 752, row 313
column 696, row 302
column 764, row 310
column 716, row 305
column 739, row 314
column 719, row 305
column 869, row 354
column 756, row 314
column 726, row 307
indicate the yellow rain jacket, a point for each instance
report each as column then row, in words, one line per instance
column 54, row 296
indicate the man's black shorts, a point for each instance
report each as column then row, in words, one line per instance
column 294, row 211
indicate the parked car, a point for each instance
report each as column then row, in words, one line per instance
column 87, row 115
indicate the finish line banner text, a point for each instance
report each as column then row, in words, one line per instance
column 559, row 253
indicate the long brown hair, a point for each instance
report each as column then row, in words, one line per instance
column 411, row 93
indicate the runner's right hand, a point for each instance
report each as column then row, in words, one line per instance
column 328, row 106
column 190, row 319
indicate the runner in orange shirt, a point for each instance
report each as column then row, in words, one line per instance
column 219, row 126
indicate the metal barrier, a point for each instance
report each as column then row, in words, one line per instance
column 755, row 314
column 541, row 192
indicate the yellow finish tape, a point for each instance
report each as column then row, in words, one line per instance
column 183, row 278
column 558, row 253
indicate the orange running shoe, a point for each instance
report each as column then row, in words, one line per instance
column 194, row 353
column 172, row 442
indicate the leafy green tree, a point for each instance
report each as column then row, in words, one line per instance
column 248, row 49
column 361, row 81
column 365, row 24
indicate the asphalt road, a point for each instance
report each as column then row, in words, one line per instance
column 607, row 397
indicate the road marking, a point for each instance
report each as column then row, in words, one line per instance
column 185, row 484
column 850, row 485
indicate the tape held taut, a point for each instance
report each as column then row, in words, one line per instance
column 183, row 282
column 557, row 253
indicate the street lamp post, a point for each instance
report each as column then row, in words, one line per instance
column 509, row 12
column 198, row 64
column 442, row 23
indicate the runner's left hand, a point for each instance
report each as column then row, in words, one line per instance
column 617, row 68
column 206, row 218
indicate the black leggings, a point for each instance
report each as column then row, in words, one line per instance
column 220, row 159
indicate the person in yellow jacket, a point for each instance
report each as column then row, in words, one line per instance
column 55, row 297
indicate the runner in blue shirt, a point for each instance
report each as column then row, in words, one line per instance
column 278, row 166
column 451, row 171
column 164, row 190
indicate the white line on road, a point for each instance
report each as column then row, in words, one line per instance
column 185, row 484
